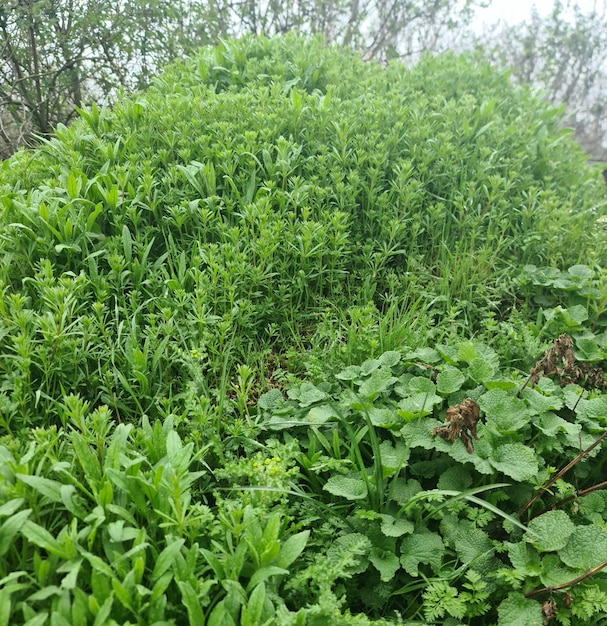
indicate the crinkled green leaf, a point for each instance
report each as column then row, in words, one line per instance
column 449, row 380
column 582, row 272
column 352, row 372
column 508, row 417
column 421, row 548
column 369, row 366
column 524, row 558
column 351, row 487
column 320, row 414
column 418, row 405
column 395, row 526
column 271, row 399
column 586, row 548
column 473, row 544
column 307, row 394
column 481, row 370
column 383, row 418
column 539, row 403
column 390, row 358
column 555, row 572
column 516, row 610
column 550, row 531
column 385, row 562
column 393, row 456
column 515, row 460
column 380, row 380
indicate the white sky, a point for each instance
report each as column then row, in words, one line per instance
column 515, row 11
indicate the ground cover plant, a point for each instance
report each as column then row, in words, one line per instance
column 291, row 338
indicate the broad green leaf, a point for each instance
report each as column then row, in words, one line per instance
column 11, row 507
column 481, row 370
column 393, row 456
column 166, row 558
column 307, row 394
column 383, row 418
column 418, row 405
column 10, row 527
column 380, row 380
column 540, row 403
column 395, row 526
column 515, row 460
column 508, row 417
column 351, row 487
column 352, row 372
column 421, row 548
column 449, row 380
column 550, row 531
column 516, row 610
column 587, row 350
column 524, row 558
column 472, row 545
column 586, row 548
column 291, row 549
column 320, row 414
column 390, row 358
column 369, row 366
column 272, row 399
column 191, row 603
column 45, row 486
column 385, row 562
column 583, row 272
column 555, row 572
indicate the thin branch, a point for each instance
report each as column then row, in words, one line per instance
column 575, row 581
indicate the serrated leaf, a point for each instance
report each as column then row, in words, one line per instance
column 307, row 394
column 508, row 417
column 351, row 487
column 421, row 548
column 380, row 380
column 516, row 610
column 390, row 358
column 385, row 562
column 320, row 414
column 473, row 544
column 352, row 372
column 418, row 405
column 524, row 558
column 586, row 548
column 481, row 370
column 449, row 380
column 550, row 531
column 395, row 527
column 515, row 460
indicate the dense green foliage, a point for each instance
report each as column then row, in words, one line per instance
column 234, row 309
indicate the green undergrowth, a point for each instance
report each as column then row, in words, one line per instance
column 236, row 312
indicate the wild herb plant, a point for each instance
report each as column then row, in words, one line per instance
column 234, row 320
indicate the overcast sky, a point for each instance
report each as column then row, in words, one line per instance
column 514, row 11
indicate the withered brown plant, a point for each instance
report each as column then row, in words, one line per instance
column 559, row 361
column 462, row 419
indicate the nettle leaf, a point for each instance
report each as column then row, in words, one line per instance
column 586, row 548
column 550, row 531
column 508, row 417
column 390, row 358
column 524, row 558
column 481, row 370
column 385, row 562
column 351, row 487
column 516, row 610
column 515, row 460
column 554, row 572
column 307, row 394
column 380, row 380
column 320, row 414
column 539, row 403
column 449, row 380
column 393, row 456
column 421, row 548
column 369, row 366
column 383, row 418
column 395, row 527
column 418, row 405
column 352, row 372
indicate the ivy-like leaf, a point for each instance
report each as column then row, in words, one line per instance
column 515, row 460
column 550, row 531
column 351, row 487
column 586, row 548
